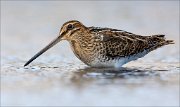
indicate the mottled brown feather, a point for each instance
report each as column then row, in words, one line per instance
column 119, row 43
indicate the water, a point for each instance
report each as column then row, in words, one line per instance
column 59, row 78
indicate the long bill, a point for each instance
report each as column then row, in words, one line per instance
column 51, row 44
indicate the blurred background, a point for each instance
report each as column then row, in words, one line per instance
column 59, row 78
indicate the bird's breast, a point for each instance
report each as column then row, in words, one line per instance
column 85, row 52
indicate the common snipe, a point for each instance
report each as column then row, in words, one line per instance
column 105, row 47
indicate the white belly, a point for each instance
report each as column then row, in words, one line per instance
column 117, row 63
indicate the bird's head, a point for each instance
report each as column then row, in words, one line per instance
column 70, row 31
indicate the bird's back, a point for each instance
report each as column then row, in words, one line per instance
column 118, row 46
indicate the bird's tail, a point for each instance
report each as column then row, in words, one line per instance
column 158, row 40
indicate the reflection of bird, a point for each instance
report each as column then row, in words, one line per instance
column 105, row 47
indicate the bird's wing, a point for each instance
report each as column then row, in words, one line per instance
column 121, row 43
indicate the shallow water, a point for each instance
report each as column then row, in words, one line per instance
column 71, row 85
column 59, row 78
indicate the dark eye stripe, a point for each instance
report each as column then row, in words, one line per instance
column 70, row 31
column 73, row 31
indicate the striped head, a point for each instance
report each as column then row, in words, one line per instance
column 72, row 30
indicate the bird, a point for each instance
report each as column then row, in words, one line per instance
column 104, row 47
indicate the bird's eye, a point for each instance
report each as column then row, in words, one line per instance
column 70, row 27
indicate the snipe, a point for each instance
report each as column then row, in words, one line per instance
column 105, row 47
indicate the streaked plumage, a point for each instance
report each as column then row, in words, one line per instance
column 105, row 47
